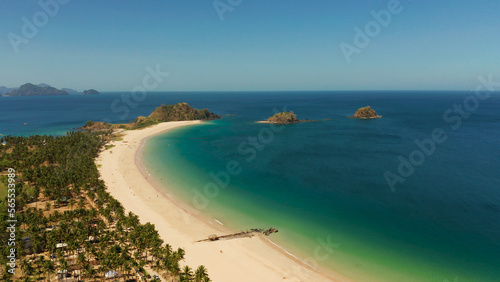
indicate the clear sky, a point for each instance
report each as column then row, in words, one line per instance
column 259, row 45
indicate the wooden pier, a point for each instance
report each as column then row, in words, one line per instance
column 249, row 234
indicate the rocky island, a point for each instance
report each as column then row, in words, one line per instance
column 365, row 113
column 284, row 118
column 90, row 92
column 164, row 113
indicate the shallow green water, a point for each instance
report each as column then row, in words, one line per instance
column 323, row 181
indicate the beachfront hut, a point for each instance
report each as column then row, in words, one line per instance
column 61, row 245
column 111, row 274
column 61, row 274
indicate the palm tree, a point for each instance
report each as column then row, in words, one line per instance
column 48, row 268
column 71, row 203
column 173, row 268
column 89, row 270
column 81, row 260
column 126, row 267
column 180, row 253
column 200, row 273
column 26, row 267
column 187, row 273
column 63, row 264
column 81, row 203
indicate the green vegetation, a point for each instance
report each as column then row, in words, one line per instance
column 98, row 125
column 141, row 122
column 284, row 117
column 365, row 113
column 68, row 222
column 180, row 111
column 177, row 112
column 3, row 186
column 117, row 137
column 29, row 89
column 109, row 146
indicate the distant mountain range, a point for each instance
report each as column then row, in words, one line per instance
column 29, row 89
column 41, row 89
column 4, row 90
column 71, row 91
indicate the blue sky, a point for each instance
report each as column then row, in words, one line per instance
column 260, row 45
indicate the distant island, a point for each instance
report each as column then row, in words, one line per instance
column 90, row 92
column 164, row 113
column 4, row 90
column 29, row 89
column 41, row 89
column 365, row 113
column 70, row 91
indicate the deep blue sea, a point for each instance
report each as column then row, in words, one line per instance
column 324, row 183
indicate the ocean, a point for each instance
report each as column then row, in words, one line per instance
column 413, row 196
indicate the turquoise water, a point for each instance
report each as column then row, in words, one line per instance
column 324, row 181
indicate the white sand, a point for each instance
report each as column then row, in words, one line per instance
column 245, row 259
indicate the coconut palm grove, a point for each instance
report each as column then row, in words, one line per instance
column 68, row 226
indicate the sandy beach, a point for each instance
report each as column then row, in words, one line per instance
column 245, row 259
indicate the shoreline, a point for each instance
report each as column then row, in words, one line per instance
column 255, row 259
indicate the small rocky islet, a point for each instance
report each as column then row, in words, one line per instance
column 365, row 113
column 283, row 118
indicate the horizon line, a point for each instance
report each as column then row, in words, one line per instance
column 287, row 91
